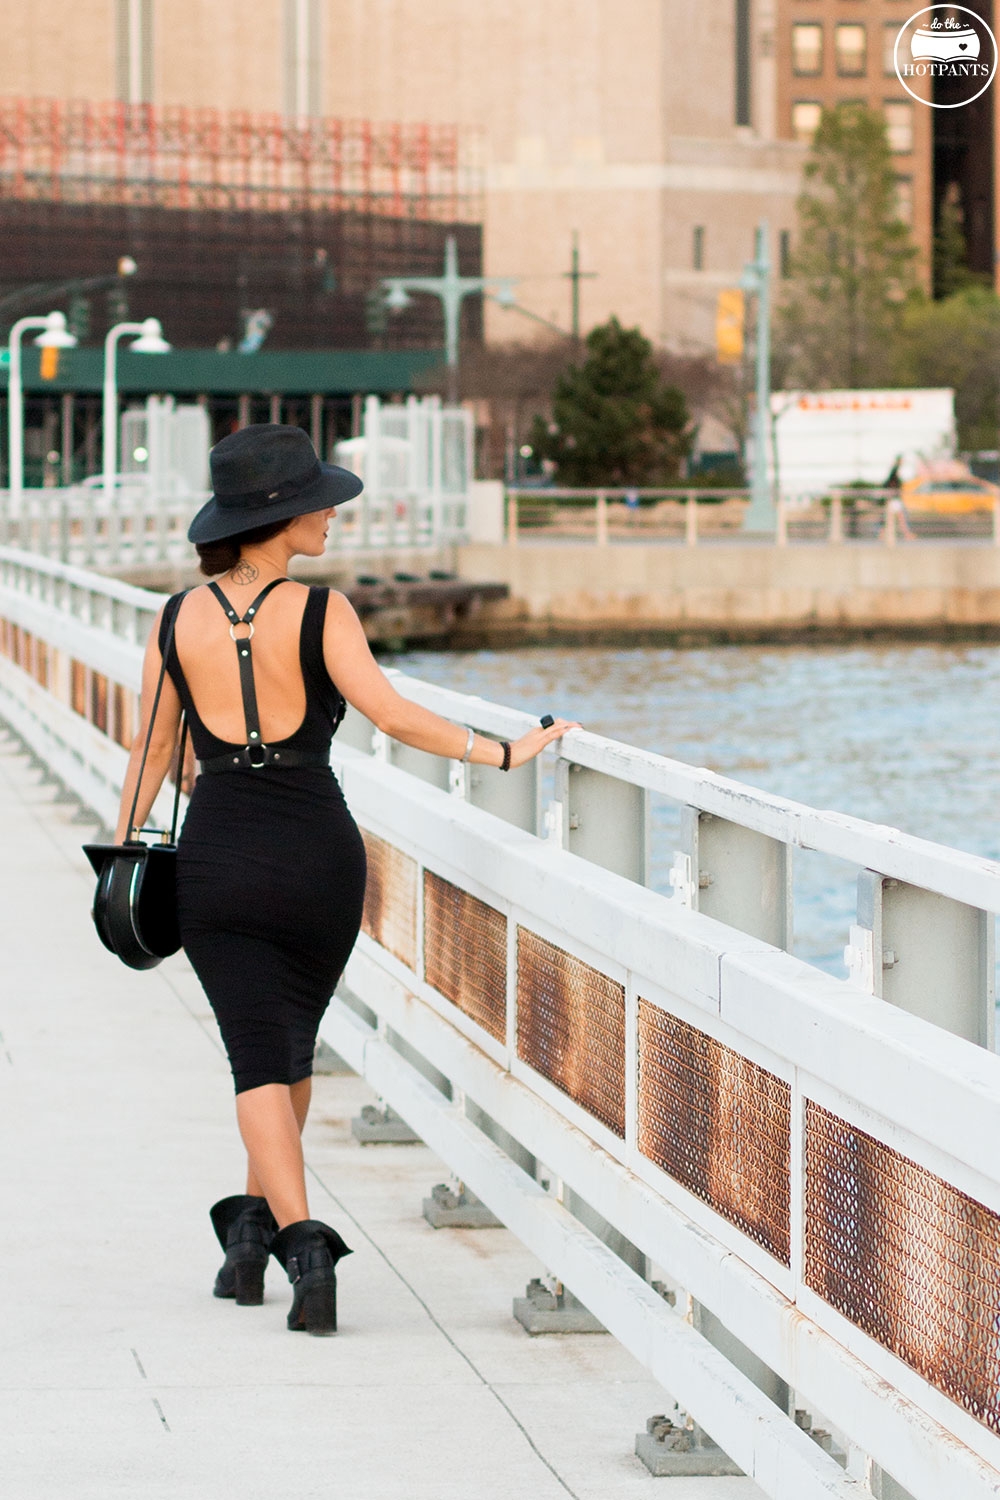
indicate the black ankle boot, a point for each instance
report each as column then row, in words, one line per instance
column 245, row 1228
column 309, row 1252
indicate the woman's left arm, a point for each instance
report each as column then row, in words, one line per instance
column 161, row 746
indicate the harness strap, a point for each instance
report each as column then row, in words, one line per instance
column 256, row 752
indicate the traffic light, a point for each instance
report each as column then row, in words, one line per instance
column 49, row 363
column 376, row 312
column 79, row 317
column 117, row 304
column 729, row 316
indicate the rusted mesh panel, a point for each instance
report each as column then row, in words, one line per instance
column 718, row 1123
column 571, row 1027
column 907, row 1257
column 465, row 953
column 390, row 915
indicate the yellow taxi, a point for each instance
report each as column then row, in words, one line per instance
column 955, row 492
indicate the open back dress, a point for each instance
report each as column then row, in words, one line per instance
column 270, row 874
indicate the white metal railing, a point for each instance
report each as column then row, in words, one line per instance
column 809, row 1165
column 694, row 516
column 137, row 529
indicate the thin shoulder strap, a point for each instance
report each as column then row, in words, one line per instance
column 165, row 652
column 247, row 619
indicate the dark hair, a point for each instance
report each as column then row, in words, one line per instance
column 219, row 557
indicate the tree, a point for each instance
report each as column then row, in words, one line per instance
column 951, row 258
column 853, row 262
column 615, row 421
column 956, row 342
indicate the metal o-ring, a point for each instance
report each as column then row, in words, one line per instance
column 232, row 630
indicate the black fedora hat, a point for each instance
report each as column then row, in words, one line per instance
column 266, row 473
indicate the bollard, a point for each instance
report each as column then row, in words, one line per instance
column 602, row 519
column 691, row 519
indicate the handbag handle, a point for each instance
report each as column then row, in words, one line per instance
column 149, row 738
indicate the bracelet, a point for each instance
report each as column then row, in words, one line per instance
column 505, row 763
column 468, row 745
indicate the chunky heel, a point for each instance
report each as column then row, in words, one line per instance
column 249, row 1282
column 318, row 1314
column 309, row 1252
column 245, row 1228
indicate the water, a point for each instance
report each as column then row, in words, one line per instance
column 899, row 734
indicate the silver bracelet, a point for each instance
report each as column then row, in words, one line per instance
column 469, row 744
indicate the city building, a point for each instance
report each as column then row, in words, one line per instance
column 832, row 51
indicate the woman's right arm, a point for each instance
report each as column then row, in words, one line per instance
column 161, row 746
column 359, row 677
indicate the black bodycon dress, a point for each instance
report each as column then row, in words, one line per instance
column 270, row 879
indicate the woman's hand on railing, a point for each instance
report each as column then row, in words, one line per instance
column 535, row 741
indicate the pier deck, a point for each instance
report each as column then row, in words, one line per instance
column 119, row 1373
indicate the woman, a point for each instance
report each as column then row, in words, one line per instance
column 270, row 864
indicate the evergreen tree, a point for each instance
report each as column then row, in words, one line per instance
column 615, row 421
column 853, row 262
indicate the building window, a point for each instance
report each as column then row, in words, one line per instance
column 890, row 31
column 899, row 124
column 805, row 119
column 698, row 248
column 303, row 79
column 851, row 43
column 134, row 51
column 785, row 253
column 904, row 199
column 742, row 42
column 807, row 49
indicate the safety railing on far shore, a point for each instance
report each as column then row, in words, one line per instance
column 698, row 516
column 650, row 1090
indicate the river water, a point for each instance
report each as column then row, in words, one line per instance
column 903, row 734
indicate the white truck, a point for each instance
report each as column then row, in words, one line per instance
column 822, row 439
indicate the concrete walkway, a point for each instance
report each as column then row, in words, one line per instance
column 120, row 1375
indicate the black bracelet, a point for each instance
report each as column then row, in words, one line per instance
column 505, row 763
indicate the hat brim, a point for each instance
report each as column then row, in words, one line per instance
column 215, row 522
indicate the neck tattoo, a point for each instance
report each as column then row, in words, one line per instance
column 244, row 572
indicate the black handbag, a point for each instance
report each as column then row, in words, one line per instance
column 135, row 903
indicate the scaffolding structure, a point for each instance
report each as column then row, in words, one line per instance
column 75, row 151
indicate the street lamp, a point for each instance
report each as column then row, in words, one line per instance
column 761, row 515
column 452, row 289
column 150, row 341
column 53, row 335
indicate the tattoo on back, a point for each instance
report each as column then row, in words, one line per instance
column 244, row 572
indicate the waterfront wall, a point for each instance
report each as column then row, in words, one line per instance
column 734, row 590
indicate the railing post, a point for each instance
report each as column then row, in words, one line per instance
column 512, row 518
column 836, row 532
column 736, row 875
column 602, row 519
column 781, row 527
column 926, row 953
column 602, row 819
column 889, row 527
column 691, row 518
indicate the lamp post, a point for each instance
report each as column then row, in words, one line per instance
column 452, row 289
column 53, row 335
column 150, row 340
column 761, row 515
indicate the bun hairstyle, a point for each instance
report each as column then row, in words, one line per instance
column 218, row 557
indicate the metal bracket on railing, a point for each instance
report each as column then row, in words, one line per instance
column 681, row 879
